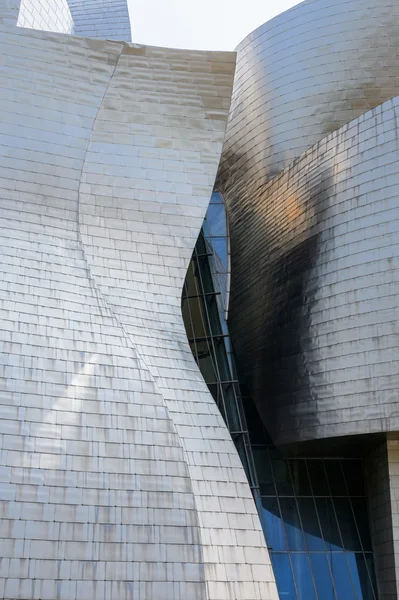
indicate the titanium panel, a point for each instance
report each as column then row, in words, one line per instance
column 316, row 312
column 118, row 476
column 301, row 76
column 107, row 19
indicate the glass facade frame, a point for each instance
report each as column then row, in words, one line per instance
column 313, row 511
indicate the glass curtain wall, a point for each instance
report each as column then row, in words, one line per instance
column 313, row 511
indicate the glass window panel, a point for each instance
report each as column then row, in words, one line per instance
column 347, row 524
column 283, row 574
column 216, row 197
column 275, row 531
column 340, row 573
column 254, row 423
column 335, row 478
column 197, row 317
column 205, row 361
column 368, row 557
column 310, row 524
column 318, row 477
column 303, row 577
column 359, row 506
column 292, row 524
column 201, row 245
column 220, row 248
column 206, row 227
column 191, row 284
column 187, row 318
column 205, row 277
column 221, row 358
column 328, row 523
column 353, row 470
column 233, row 417
column 300, row 478
column 282, row 477
column 263, row 471
column 216, row 218
column 213, row 314
column 359, row 575
column 322, row 576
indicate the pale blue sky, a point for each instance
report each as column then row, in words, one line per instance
column 200, row 24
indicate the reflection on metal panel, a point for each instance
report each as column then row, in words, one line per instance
column 301, row 76
column 315, row 276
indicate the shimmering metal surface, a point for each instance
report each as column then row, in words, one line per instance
column 315, row 285
column 303, row 75
column 312, row 310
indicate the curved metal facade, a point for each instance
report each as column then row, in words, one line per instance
column 312, row 218
column 118, row 476
column 301, row 76
column 316, row 312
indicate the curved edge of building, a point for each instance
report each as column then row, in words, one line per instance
column 119, row 476
column 316, row 314
column 302, row 75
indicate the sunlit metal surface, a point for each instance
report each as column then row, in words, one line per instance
column 301, row 76
column 315, row 285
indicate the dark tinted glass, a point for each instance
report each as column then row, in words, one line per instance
column 359, row 575
column 340, row 573
column 264, row 471
column 328, row 523
column 292, row 524
column 335, row 477
column 187, row 319
column 303, row 577
column 300, row 478
column 347, row 524
column 368, row 557
column 191, row 284
column 353, row 470
column 275, row 531
column 322, row 577
column 205, row 360
column 283, row 575
column 310, row 524
column 282, row 477
column 318, row 477
column 233, row 417
column 359, row 506
column 198, row 318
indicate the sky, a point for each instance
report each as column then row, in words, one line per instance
column 200, row 24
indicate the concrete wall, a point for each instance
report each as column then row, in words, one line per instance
column 118, row 476
column 315, row 275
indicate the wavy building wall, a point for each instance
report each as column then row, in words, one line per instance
column 309, row 71
column 118, row 475
column 310, row 180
